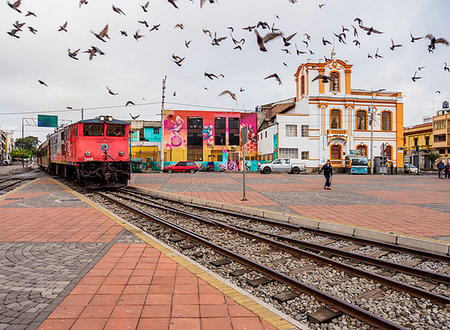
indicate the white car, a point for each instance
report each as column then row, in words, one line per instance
column 411, row 169
column 293, row 166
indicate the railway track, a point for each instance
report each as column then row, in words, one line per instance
column 260, row 251
column 9, row 184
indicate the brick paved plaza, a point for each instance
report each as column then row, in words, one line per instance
column 413, row 205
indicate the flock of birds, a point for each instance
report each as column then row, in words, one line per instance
column 263, row 34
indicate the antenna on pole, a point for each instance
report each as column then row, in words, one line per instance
column 162, row 122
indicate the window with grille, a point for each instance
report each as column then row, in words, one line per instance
column 219, row 131
column 195, row 122
column 335, row 119
column 335, row 152
column 195, row 154
column 288, row 153
column 361, row 120
column 291, row 130
column 334, row 82
column 305, row 130
column 156, row 130
column 305, row 154
column 386, row 121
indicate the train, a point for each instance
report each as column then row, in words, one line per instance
column 92, row 152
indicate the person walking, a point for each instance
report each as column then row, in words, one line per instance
column 328, row 173
column 447, row 170
column 440, row 166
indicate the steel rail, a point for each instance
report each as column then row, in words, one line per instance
column 12, row 184
column 415, row 291
column 348, row 308
column 390, row 247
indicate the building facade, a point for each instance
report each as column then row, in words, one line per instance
column 441, row 132
column 328, row 119
column 208, row 136
column 418, row 142
column 3, row 145
column 145, row 140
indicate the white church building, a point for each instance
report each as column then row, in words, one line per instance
column 327, row 119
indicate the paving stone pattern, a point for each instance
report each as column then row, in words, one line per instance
column 35, row 277
column 55, row 199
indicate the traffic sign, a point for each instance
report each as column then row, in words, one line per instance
column 47, row 121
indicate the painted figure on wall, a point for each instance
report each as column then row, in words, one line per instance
column 175, row 127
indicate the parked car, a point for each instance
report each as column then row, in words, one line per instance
column 293, row 166
column 182, row 167
column 411, row 169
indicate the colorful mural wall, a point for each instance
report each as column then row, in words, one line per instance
column 225, row 157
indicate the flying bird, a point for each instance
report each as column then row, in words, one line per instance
column 174, row 93
column 172, row 2
column 413, row 39
column 438, row 92
column 238, row 47
column 144, row 22
column 341, row 37
column 83, row 2
column 307, row 36
column 203, row 1
column 133, row 117
column 232, row 95
column 434, row 41
column 358, row 20
column 15, row 5
column 446, row 68
column 325, row 79
column 263, row 25
column 118, row 10
column 216, row 41
column 155, row 27
column 285, row 50
column 420, row 68
column 103, row 34
column 325, row 42
column 177, row 59
column 274, row 75
column 414, row 78
column 321, row 5
column 286, row 40
column 236, row 42
column 63, row 27
column 129, row 103
column 32, row 29
column 181, row 26
column 357, row 43
column 144, row 7
column 299, row 51
column 137, row 36
column 110, row 91
column 355, row 32
column 241, row 89
column 378, row 55
column 187, row 43
column 394, row 45
column 124, row 33
column 249, row 28
column 42, row 83
column 74, row 54
column 30, row 14
column 18, row 25
column 210, row 75
column 13, row 33
column 370, row 30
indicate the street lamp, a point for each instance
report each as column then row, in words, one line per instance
column 371, row 129
column 82, row 111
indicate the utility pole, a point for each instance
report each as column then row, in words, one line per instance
column 162, row 122
column 244, row 138
column 23, row 144
column 371, row 129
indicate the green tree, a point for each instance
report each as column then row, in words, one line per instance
column 432, row 156
column 29, row 144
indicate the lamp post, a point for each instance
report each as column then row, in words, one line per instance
column 371, row 129
column 82, row 111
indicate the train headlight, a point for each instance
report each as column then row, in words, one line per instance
column 88, row 153
column 101, row 118
column 109, row 118
column 120, row 153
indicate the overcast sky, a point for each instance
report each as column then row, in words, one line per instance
column 135, row 69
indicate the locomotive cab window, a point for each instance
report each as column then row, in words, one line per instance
column 93, row 129
column 115, row 130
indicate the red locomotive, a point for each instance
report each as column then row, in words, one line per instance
column 94, row 152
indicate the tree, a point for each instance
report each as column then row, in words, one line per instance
column 432, row 156
column 29, row 144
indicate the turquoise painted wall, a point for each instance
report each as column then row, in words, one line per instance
column 150, row 136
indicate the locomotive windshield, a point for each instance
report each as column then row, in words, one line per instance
column 115, row 130
column 93, row 129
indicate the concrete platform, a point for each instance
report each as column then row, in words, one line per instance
column 417, row 206
column 66, row 263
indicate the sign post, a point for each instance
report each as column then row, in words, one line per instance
column 244, row 138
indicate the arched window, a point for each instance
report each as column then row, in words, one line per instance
column 335, row 151
column 361, row 120
column 362, row 149
column 334, row 83
column 335, row 119
column 302, row 85
column 386, row 121
column 388, row 152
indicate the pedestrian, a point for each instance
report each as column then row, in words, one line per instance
column 447, row 170
column 328, row 173
column 440, row 166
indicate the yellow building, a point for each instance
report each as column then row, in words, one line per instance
column 441, row 132
column 418, row 141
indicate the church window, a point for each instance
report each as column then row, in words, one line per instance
column 335, row 119
column 334, row 82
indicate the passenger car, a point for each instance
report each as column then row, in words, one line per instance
column 293, row 166
column 411, row 169
column 182, row 167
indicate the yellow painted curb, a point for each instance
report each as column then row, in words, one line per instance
column 246, row 302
